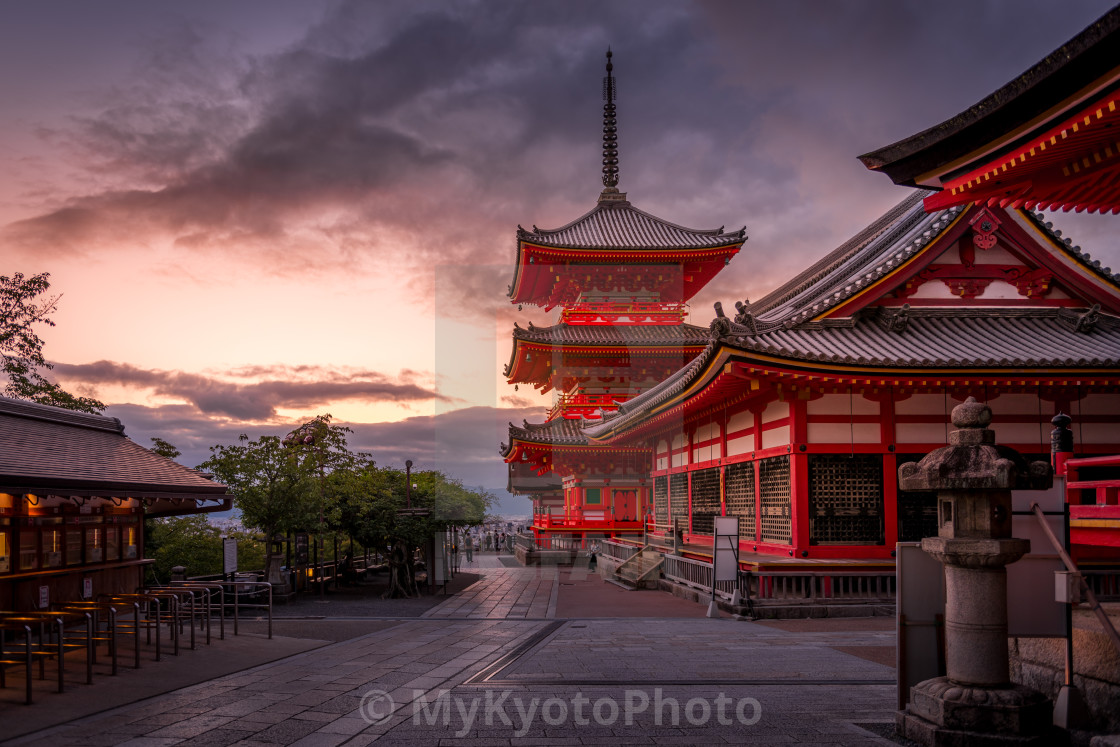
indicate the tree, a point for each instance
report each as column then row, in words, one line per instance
column 164, row 448
column 21, row 349
column 274, row 489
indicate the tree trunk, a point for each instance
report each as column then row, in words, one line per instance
column 402, row 581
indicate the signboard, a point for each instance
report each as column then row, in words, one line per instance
column 87, row 588
column 439, row 562
column 229, row 555
column 726, row 540
column 920, row 618
column 301, row 548
column 44, row 597
column 1031, row 608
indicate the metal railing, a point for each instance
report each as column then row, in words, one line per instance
column 532, row 542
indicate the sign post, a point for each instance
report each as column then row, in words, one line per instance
column 725, row 555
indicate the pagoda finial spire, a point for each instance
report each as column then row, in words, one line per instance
column 610, row 132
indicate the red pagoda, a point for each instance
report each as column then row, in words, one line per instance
column 621, row 279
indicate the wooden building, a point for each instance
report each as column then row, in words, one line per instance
column 800, row 410
column 74, row 492
column 621, row 279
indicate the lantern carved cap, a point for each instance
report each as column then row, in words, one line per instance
column 973, row 461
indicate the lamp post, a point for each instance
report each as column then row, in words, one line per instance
column 408, row 483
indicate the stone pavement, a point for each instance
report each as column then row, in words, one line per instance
column 493, row 665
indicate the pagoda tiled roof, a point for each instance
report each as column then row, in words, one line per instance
column 556, row 432
column 54, row 451
column 653, row 335
column 618, row 225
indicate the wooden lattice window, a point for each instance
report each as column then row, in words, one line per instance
column 678, row 499
column 917, row 509
column 738, row 491
column 705, row 500
column 773, row 479
column 846, row 499
column 661, row 500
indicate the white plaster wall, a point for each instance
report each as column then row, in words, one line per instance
column 843, row 433
column 1022, row 433
column 740, row 421
column 775, row 411
column 775, row 437
column 922, row 404
column 1099, row 404
column 840, row 404
column 743, row 445
column 906, row 433
column 1096, row 433
column 1018, row 404
column 1002, row 290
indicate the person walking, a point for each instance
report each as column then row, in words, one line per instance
column 470, row 549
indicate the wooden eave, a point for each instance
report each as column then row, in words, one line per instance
column 537, row 266
column 737, row 374
column 539, row 371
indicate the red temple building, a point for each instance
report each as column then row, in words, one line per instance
column 1046, row 140
column 621, row 279
column 797, row 415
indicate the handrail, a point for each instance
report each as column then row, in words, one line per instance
column 236, row 598
column 1072, row 568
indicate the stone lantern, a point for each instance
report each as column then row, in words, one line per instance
column 975, row 704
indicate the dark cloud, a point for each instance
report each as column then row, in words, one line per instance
column 257, row 401
column 439, row 126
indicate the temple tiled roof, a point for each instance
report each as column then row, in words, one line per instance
column 1032, row 99
column 556, row 432
column 781, row 325
column 61, row 452
column 618, row 225
column 654, row 335
column 874, row 253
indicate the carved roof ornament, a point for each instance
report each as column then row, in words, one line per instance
column 896, row 320
column 1087, row 321
column 1084, row 322
column 984, row 226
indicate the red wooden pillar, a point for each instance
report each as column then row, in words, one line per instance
column 798, row 477
column 890, row 472
column 757, row 477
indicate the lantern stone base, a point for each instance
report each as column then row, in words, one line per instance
column 945, row 714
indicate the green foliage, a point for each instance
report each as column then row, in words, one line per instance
column 21, row 348
column 274, row 489
column 189, row 541
column 196, row 544
column 164, row 449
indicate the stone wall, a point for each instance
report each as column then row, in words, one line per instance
column 1039, row 663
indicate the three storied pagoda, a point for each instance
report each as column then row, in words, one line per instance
column 621, row 279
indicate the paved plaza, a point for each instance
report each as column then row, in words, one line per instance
column 496, row 664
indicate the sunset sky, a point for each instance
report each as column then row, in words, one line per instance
column 260, row 211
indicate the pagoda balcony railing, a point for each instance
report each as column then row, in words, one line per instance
column 560, row 523
column 573, row 405
column 633, row 312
